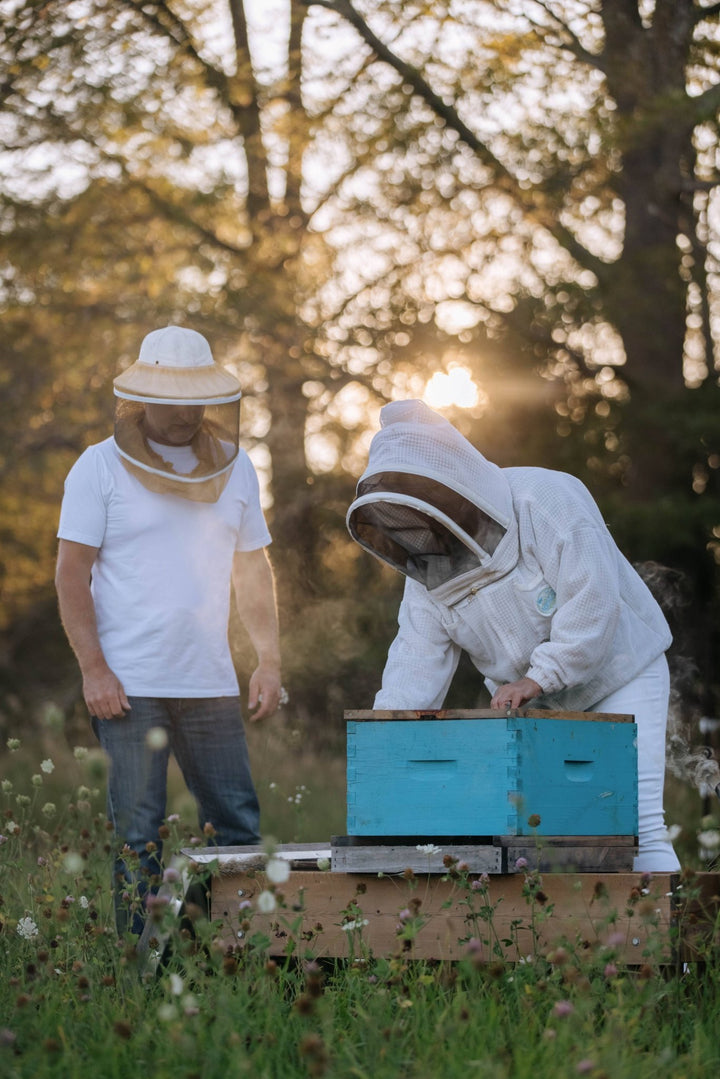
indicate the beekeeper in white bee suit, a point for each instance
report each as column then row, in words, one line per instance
column 516, row 567
column 159, row 525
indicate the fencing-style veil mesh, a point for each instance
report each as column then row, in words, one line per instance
column 429, row 504
column 182, row 448
column 421, row 528
column 177, row 416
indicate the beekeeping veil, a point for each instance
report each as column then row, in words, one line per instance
column 177, row 416
column 431, row 506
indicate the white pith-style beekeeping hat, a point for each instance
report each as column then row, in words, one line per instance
column 174, row 386
column 176, row 364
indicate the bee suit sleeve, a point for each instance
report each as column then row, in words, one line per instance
column 422, row 659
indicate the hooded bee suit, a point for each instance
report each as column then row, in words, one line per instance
column 516, row 567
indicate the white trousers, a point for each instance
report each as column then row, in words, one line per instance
column 647, row 698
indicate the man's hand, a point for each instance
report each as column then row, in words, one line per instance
column 254, row 587
column 104, row 694
column 102, row 690
column 264, row 693
column 515, row 694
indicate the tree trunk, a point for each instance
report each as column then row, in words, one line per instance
column 644, row 293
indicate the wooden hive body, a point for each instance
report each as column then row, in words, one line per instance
column 483, row 773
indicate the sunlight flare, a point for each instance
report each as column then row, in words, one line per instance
column 454, row 389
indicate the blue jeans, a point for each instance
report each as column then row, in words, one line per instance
column 207, row 738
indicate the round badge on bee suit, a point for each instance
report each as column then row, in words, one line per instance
column 546, row 601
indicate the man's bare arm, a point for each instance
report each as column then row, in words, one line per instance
column 254, row 587
column 103, row 692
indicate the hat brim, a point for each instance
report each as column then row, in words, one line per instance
column 196, row 385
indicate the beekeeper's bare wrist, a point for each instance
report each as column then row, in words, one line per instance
column 93, row 665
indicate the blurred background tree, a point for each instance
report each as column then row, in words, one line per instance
column 509, row 208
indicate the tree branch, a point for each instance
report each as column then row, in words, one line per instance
column 702, row 13
column 575, row 46
column 244, row 94
column 238, row 93
column 502, row 178
column 705, row 105
column 297, row 135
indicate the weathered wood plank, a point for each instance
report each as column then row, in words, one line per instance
column 576, row 858
column 394, row 858
column 578, row 854
column 237, row 859
column 360, row 715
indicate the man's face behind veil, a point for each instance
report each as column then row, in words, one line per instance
column 172, row 425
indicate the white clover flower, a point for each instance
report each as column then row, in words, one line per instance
column 709, row 840
column 266, row 902
column 156, row 738
column 73, row 862
column 428, row 848
column 358, row 923
column 190, row 1004
column 84, row 902
column 12, row 827
column 47, row 766
column 176, row 985
column 36, row 780
column 6, row 786
column 277, row 870
column 53, row 716
column 167, row 1012
column 49, row 809
column 13, row 744
column 27, row 928
column 80, row 753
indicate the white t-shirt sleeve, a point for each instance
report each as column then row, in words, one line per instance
column 83, row 514
column 253, row 531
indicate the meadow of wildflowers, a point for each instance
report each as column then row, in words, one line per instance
column 76, row 1001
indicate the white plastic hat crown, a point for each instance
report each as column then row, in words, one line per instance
column 175, row 364
column 175, row 346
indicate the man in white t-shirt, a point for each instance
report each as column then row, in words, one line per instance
column 157, row 523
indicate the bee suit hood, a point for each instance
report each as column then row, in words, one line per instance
column 431, row 506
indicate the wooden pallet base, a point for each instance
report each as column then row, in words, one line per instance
column 595, row 912
column 638, row 918
column 630, row 917
column 484, row 854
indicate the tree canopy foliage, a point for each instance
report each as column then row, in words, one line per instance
column 347, row 199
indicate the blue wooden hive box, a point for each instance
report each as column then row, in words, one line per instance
column 485, row 773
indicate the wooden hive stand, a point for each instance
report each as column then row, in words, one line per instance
column 661, row 917
column 505, row 832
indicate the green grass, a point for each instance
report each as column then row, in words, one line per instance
column 77, row 1003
